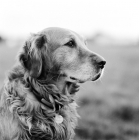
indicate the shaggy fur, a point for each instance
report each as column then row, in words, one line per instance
column 42, row 85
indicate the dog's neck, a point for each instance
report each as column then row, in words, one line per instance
column 57, row 91
column 60, row 81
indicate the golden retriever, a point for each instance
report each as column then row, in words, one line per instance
column 37, row 101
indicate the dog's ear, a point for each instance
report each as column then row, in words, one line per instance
column 31, row 57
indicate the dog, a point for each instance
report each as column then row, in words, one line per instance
column 37, row 101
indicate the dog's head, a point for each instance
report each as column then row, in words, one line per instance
column 61, row 52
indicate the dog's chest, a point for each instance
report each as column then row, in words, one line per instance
column 59, row 127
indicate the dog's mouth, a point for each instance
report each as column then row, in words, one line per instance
column 76, row 80
column 73, row 83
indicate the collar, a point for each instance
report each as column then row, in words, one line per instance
column 52, row 100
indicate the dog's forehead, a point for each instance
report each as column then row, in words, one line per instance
column 60, row 35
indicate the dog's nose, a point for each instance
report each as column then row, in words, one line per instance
column 101, row 64
column 98, row 61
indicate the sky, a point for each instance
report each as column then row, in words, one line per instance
column 119, row 18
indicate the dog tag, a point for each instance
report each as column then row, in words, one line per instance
column 58, row 119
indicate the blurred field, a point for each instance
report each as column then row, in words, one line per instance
column 109, row 108
column 7, row 58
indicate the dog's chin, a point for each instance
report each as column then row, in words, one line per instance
column 96, row 77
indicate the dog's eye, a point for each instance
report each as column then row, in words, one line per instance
column 71, row 43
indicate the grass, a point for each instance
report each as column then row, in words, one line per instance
column 109, row 108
